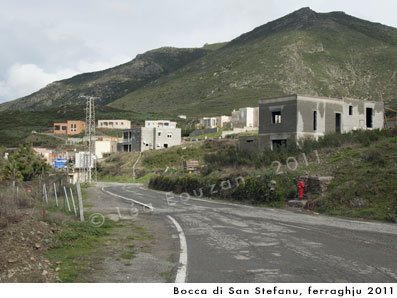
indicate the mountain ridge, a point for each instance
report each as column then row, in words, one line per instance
column 321, row 54
column 112, row 82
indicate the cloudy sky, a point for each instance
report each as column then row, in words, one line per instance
column 46, row 40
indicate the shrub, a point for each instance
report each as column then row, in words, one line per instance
column 374, row 156
column 255, row 190
column 24, row 164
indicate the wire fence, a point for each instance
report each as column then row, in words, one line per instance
column 46, row 193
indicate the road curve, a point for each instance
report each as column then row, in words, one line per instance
column 237, row 243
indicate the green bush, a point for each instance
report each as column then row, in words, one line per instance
column 24, row 164
column 256, row 190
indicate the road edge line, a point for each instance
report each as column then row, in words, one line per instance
column 128, row 199
column 182, row 269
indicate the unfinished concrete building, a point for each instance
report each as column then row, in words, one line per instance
column 155, row 135
column 289, row 118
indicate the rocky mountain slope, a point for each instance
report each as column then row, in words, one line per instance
column 327, row 54
column 108, row 84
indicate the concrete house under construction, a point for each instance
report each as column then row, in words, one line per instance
column 289, row 118
column 156, row 134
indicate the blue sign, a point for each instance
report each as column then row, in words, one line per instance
column 60, row 163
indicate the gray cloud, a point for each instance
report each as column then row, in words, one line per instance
column 42, row 41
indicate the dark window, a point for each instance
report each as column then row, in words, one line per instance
column 57, row 127
column 165, row 145
column 337, row 123
column 276, row 117
column 314, row 120
column 277, row 144
column 64, row 128
column 350, row 110
column 369, row 117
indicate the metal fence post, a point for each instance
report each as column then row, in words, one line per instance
column 66, row 197
column 74, row 205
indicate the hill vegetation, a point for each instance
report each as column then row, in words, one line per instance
column 363, row 165
column 108, row 84
column 328, row 54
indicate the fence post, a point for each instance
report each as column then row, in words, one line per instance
column 80, row 198
column 45, row 193
column 56, row 195
column 66, row 197
column 74, row 205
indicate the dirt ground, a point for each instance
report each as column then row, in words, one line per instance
column 140, row 249
column 23, row 244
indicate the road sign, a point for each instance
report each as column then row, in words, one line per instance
column 60, row 163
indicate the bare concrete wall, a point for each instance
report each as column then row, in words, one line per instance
column 297, row 116
column 133, row 140
column 288, row 107
column 167, row 137
column 147, row 138
column 327, row 109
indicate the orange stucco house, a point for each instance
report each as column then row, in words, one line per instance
column 71, row 127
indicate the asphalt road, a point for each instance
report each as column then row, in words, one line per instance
column 236, row 243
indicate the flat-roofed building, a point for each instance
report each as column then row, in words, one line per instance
column 155, row 135
column 71, row 127
column 114, row 124
column 160, row 124
column 245, row 117
column 290, row 118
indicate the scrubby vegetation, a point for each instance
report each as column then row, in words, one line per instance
column 254, row 190
column 24, row 164
column 363, row 164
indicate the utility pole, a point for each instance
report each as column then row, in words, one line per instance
column 90, row 133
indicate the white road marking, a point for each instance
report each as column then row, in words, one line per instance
column 182, row 269
column 293, row 226
column 133, row 191
column 203, row 200
column 128, row 199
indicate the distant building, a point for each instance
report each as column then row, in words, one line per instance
column 212, row 122
column 245, row 117
column 155, row 135
column 51, row 155
column 45, row 153
column 221, row 121
column 182, row 116
column 208, row 122
column 160, row 124
column 114, row 124
column 105, row 146
column 290, row 118
column 71, row 127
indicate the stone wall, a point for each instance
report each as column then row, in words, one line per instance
column 315, row 186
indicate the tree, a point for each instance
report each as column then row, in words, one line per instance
column 24, row 164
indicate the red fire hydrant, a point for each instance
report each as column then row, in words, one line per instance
column 301, row 186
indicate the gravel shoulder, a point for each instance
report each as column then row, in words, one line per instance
column 142, row 248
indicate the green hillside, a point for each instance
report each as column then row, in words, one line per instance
column 108, row 84
column 309, row 53
column 16, row 126
column 327, row 54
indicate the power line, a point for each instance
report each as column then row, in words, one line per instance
column 90, row 165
